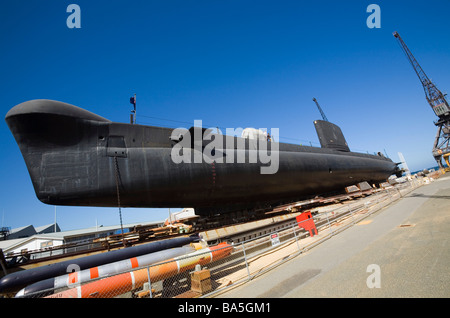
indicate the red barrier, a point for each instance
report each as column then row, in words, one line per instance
column 306, row 221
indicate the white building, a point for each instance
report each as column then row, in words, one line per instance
column 41, row 245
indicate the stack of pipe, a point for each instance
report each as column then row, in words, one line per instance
column 15, row 281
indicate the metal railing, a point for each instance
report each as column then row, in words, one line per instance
column 208, row 271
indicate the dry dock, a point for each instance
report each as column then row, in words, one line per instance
column 401, row 251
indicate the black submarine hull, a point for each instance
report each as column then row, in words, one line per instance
column 77, row 158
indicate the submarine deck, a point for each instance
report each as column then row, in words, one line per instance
column 399, row 251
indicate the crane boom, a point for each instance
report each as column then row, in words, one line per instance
column 439, row 104
column 433, row 95
column 320, row 110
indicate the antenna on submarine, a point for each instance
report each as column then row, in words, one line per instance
column 133, row 112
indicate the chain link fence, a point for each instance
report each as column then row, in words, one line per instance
column 208, row 270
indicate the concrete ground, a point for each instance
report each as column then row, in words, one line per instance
column 401, row 251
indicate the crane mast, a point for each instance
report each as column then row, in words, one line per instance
column 439, row 104
column 320, row 110
column 433, row 95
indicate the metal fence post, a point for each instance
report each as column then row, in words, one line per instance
column 245, row 259
column 351, row 214
column 328, row 220
column 149, row 283
column 296, row 239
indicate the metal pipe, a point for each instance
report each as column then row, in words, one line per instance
column 17, row 280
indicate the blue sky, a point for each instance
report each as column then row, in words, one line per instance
column 230, row 64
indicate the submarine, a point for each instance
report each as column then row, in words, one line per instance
column 77, row 158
